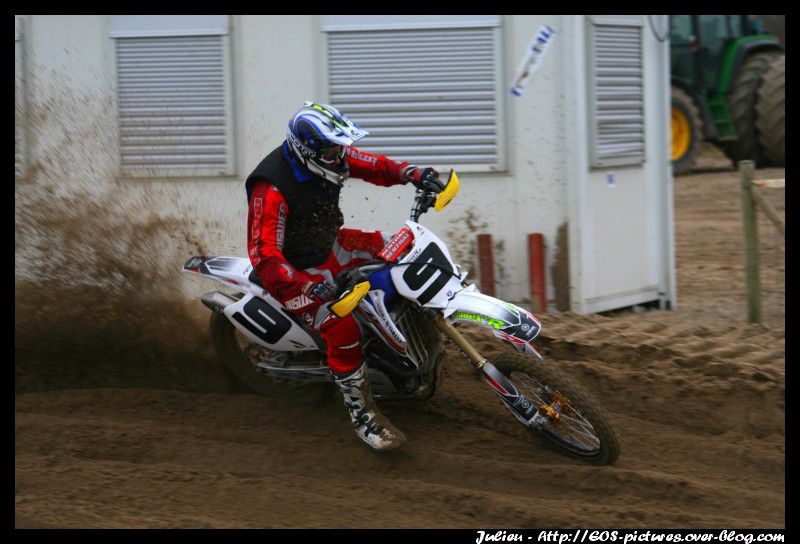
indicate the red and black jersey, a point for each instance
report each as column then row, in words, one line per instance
column 294, row 216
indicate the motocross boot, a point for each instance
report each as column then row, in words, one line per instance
column 370, row 425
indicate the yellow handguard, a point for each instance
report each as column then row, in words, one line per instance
column 448, row 193
column 348, row 302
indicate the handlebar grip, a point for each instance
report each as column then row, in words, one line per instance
column 348, row 302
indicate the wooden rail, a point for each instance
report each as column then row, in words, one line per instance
column 751, row 199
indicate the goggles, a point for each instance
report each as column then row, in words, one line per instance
column 330, row 153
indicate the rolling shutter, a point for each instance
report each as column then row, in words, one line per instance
column 617, row 94
column 19, row 102
column 173, row 105
column 427, row 96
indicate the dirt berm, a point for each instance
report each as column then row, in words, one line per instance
column 125, row 419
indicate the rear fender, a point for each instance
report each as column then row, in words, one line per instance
column 507, row 321
column 232, row 271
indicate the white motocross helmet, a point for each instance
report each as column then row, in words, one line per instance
column 315, row 133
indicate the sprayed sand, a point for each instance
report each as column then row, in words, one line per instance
column 125, row 419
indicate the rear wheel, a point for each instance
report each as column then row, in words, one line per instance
column 575, row 423
column 239, row 356
column 685, row 131
column 770, row 112
column 742, row 105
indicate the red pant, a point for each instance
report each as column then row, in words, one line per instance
column 341, row 334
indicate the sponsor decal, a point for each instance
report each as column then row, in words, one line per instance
column 378, row 315
column 300, row 301
column 308, row 319
column 258, row 209
column 305, row 151
column 355, row 154
column 280, row 230
column 480, row 318
column 396, row 245
column 495, row 384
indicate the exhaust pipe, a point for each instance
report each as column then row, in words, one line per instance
column 216, row 300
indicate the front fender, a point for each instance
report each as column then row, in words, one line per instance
column 507, row 321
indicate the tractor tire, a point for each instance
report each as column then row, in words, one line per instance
column 742, row 105
column 686, row 131
column 771, row 111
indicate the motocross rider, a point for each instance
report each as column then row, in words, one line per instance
column 297, row 245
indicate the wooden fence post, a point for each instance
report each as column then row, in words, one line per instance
column 536, row 267
column 486, row 263
column 750, row 227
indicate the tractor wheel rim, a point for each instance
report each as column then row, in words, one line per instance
column 680, row 134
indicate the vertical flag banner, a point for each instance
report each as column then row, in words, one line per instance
column 532, row 59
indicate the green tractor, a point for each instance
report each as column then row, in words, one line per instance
column 727, row 88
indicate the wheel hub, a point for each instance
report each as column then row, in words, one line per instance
column 680, row 134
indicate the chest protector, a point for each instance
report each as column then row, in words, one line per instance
column 314, row 216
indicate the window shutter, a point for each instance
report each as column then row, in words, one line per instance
column 173, row 106
column 617, row 94
column 427, row 96
column 19, row 102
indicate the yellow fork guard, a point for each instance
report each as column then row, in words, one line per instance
column 448, row 193
column 349, row 301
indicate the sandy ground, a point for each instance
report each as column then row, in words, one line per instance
column 126, row 420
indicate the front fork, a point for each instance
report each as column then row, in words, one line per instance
column 525, row 410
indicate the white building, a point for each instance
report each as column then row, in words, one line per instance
column 190, row 104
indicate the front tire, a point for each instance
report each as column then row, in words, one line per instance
column 525, row 371
column 226, row 343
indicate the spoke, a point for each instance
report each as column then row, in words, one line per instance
column 586, row 428
column 585, row 442
column 592, row 438
column 577, row 431
column 582, row 421
column 535, row 390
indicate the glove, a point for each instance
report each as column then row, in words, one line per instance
column 322, row 291
column 426, row 180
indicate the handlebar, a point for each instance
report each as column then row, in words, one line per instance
column 423, row 201
column 352, row 284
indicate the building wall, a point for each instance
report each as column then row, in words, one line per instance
column 277, row 63
column 620, row 216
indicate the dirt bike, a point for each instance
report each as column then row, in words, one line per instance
column 407, row 302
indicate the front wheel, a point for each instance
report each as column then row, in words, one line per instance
column 570, row 417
